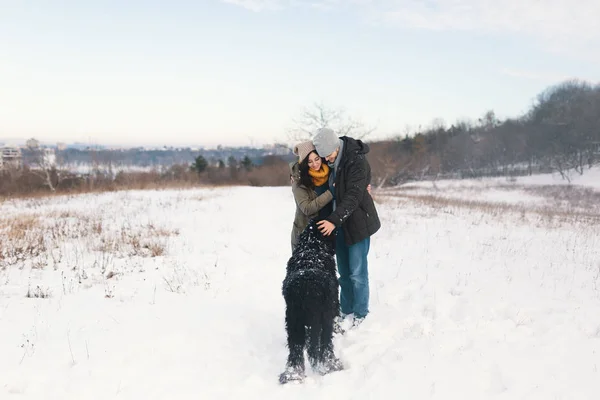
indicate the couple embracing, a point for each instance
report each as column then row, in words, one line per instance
column 331, row 183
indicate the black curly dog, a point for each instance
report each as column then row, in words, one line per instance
column 310, row 290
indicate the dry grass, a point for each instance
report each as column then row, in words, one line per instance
column 161, row 231
column 578, row 209
column 21, row 239
column 38, row 293
column 44, row 193
column 157, row 249
column 101, row 243
column 144, row 241
column 574, row 196
column 36, row 239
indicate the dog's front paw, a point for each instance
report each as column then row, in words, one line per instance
column 292, row 375
column 332, row 365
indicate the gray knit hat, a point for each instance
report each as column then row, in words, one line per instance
column 326, row 141
column 303, row 149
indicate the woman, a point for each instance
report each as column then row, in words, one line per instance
column 310, row 187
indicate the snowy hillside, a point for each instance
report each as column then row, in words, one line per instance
column 544, row 193
column 177, row 295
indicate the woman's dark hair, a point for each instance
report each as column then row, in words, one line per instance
column 305, row 178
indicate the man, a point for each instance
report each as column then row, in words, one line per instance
column 354, row 217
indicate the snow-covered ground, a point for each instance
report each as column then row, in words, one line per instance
column 544, row 192
column 590, row 179
column 177, row 295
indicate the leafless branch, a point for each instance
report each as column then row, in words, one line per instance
column 320, row 116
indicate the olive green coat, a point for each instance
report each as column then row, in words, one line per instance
column 308, row 203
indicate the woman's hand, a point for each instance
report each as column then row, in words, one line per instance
column 369, row 188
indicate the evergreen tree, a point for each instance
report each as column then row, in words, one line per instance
column 247, row 163
column 200, row 164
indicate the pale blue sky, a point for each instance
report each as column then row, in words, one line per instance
column 208, row 72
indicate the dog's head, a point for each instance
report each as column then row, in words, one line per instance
column 312, row 237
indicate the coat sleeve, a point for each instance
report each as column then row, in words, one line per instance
column 356, row 185
column 308, row 206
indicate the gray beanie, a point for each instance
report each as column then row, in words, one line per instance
column 326, row 141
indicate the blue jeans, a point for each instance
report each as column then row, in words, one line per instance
column 354, row 275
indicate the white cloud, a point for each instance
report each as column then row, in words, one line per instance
column 555, row 20
column 260, row 5
column 560, row 20
column 257, row 5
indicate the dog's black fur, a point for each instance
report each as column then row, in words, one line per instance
column 310, row 290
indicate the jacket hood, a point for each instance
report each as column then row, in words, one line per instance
column 294, row 170
column 355, row 145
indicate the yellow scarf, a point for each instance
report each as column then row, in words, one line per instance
column 319, row 177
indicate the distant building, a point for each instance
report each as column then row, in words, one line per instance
column 10, row 157
column 61, row 146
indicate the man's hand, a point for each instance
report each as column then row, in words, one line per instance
column 325, row 227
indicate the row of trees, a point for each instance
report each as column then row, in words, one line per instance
column 38, row 175
column 201, row 165
column 27, row 181
column 560, row 133
column 143, row 157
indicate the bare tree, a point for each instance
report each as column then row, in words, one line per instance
column 437, row 124
column 390, row 162
column 320, row 116
column 44, row 165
